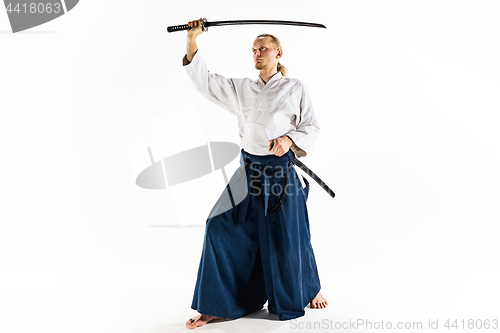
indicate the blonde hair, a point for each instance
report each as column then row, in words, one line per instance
column 277, row 44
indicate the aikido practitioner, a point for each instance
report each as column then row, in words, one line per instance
column 260, row 249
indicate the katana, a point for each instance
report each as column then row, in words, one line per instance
column 311, row 174
column 207, row 24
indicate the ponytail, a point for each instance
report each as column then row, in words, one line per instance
column 281, row 69
column 277, row 44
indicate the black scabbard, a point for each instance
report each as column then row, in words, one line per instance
column 313, row 176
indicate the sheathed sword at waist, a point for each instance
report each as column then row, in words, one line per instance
column 310, row 173
column 313, row 176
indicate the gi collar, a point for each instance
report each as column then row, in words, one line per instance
column 273, row 78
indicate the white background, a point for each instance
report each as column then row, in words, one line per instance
column 407, row 97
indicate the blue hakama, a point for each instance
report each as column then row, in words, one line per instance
column 257, row 244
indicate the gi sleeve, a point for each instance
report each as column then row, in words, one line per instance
column 212, row 86
column 307, row 129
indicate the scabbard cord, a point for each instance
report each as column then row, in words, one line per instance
column 283, row 192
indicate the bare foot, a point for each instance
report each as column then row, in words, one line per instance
column 199, row 320
column 319, row 302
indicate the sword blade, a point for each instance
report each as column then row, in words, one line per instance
column 238, row 22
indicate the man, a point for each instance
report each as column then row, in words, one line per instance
column 260, row 250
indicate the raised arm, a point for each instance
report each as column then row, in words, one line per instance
column 191, row 46
column 214, row 87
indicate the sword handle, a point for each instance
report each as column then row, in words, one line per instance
column 173, row 28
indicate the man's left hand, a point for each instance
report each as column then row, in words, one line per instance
column 281, row 145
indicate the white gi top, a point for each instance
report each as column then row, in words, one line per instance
column 264, row 111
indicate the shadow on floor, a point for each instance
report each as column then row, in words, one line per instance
column 265, row 323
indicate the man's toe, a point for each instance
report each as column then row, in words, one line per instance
column 190, row 322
